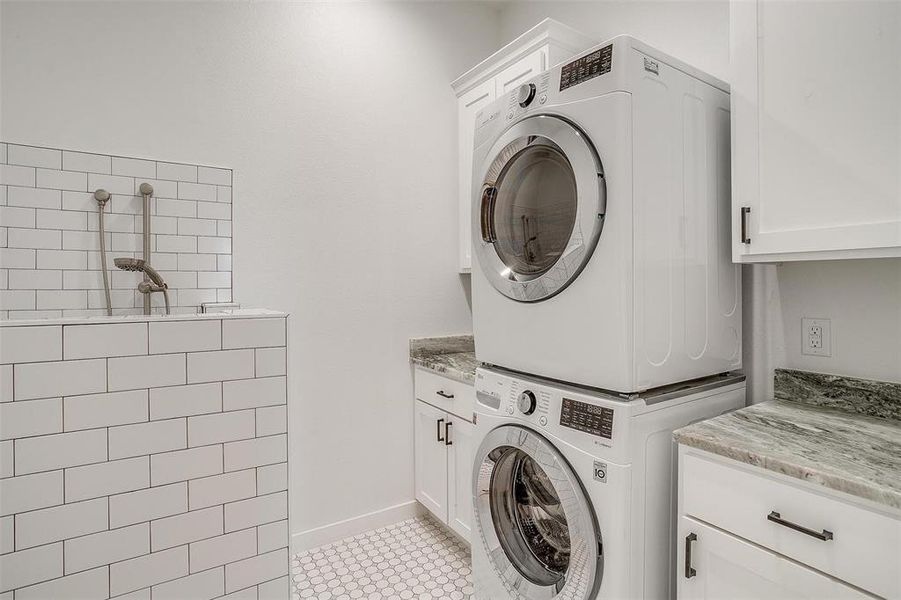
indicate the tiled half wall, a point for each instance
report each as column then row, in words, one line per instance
column 49, row 239
column 144, row 459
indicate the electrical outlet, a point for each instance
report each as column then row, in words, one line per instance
column 816, row 337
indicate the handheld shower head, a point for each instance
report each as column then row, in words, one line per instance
column 146, row 189
column 138, row 265
column 101, row 196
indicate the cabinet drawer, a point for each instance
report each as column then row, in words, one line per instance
column 453, row 396
column 861, row 546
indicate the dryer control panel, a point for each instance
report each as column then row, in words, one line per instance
column 586, row 67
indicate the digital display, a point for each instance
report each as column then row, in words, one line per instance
column 586, row 67
column 596, row 420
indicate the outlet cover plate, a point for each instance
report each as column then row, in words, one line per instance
column 816, row 337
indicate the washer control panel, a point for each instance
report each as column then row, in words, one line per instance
column 596, row 420
column 526, row 402
column 574, row 414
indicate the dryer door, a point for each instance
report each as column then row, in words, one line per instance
column 534, row 519
column 540, row 210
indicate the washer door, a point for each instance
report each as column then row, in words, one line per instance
column 541, row 208
column 534, row 519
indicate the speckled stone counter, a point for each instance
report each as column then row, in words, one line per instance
column 841, row 450
column 863, row 396
column 452, row 356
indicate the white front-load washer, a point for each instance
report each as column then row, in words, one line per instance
column 574, row 490
column 601, row 224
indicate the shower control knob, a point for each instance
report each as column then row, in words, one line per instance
column 525, row 94
column 526, row 402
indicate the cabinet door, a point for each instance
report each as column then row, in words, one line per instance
column 467, row 106
column 430, row 459
column 816, row 138
column 459, row 476
column 725, row 566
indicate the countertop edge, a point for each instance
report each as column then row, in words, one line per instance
column 845, row 484
column 441, row 369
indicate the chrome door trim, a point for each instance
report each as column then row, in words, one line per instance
column 591, row 193
column 585, row 571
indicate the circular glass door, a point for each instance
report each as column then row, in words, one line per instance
column 541, row 207
column 535, row 210
column 529, row 518
column 534, row 519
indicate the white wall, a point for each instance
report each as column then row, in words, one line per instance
column 862, row 298
column 340, row 124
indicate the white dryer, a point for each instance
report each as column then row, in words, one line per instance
column 574, row 491
column 601, row 224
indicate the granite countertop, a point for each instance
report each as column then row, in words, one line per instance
column 452, row 356
column 845, row 450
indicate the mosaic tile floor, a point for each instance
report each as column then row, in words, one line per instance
column 411, row 559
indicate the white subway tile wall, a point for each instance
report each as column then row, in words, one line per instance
column 118, row 477
column 49, row 232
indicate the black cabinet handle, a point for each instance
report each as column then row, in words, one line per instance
column 444, row 394
column 447, row 439
column 438, row 423
column 689, row 570
column 745, row 211
column 777, row 518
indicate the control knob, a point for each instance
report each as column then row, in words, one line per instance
column 525, row 94
column 526, row 402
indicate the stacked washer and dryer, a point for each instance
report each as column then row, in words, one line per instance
column 607, row 313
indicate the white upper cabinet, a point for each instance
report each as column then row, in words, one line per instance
column 541, row 47
column 816, row 130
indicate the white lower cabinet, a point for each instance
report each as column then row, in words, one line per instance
column 459, row 477
column 715, row 565
column 443, row 459
column 431, row 459
column 747, row 532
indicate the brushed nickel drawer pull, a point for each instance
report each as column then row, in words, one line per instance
column 444, row 394
column 689, row 570
column 775, row 517
column 745, row 212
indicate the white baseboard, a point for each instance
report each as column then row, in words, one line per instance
column 319, row 536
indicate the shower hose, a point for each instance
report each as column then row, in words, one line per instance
column 109, row 303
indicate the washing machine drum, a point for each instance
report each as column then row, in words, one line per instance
column 540, row 211
column 534, row 519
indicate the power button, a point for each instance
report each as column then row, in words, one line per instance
column 543, row 420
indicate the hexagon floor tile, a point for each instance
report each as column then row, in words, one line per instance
column 413, row 559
